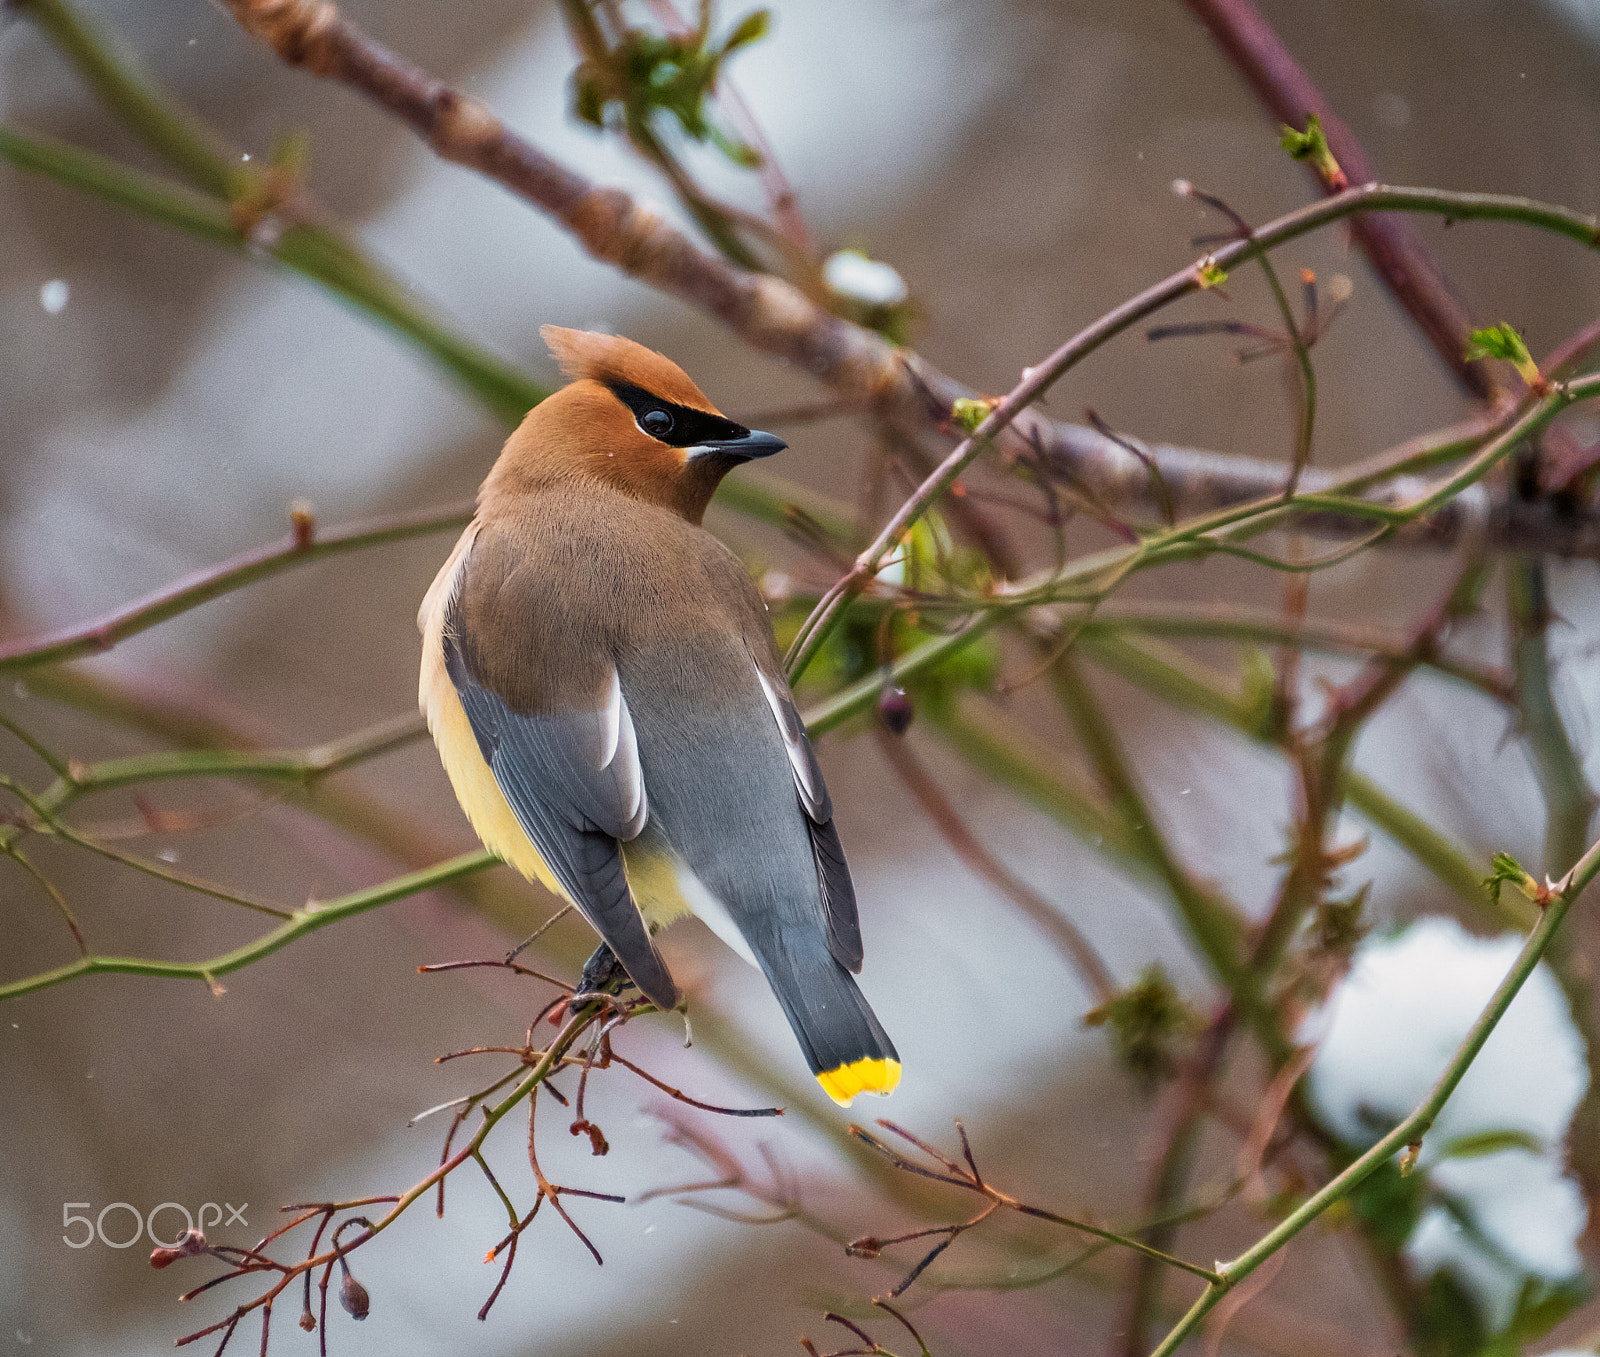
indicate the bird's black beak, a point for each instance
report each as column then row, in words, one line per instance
column 754, row 444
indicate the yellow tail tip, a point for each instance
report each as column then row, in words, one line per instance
column 860, row 1076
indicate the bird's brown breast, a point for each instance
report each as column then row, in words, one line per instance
column 562, row 582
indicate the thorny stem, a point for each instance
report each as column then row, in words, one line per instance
column 769, row 500
column 292, row 765
column 104, row 632
column 300, row 922
column 1213, row 921
column 1412, row 1129
column 1037, row 380
column 966, row 1175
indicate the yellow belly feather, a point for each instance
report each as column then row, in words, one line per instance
column 652, row 875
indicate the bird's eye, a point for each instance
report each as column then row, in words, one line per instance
column 656, row 423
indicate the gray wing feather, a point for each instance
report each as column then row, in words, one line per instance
column 838, row 896
column 575, row 784
column 833, row 873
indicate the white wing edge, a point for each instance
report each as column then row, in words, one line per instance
column 801, row 760
column 623, row 760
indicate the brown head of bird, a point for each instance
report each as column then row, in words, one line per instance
column 631, row 420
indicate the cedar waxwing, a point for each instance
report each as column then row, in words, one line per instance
column 602, row 681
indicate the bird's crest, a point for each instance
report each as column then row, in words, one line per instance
column 611, row 359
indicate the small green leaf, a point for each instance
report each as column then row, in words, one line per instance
column 740, row 153
column 1502, row 341
column 588, row 99
column 1210, row 273
column 1336, row 925
column 1312, row 145
column 291, row 152
column 1149, row 1021
column 1507, row 871
column 1481, row 1143
column 1304, row 145
column 971, row 411
column 752, row 28
column 1259, row 694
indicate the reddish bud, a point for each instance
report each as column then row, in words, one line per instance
column 895, row 710
column 865, row 1247
column 353, row 1296
column 597, row 1140
column 303, row 523
column 190, row 1244
column 308, row 1321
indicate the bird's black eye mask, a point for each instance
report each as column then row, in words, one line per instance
column 678, row 426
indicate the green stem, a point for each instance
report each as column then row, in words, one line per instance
column 317, row 251
column 1568, row 801
column 57, row 765
column 295, row 765
column 772, row 502
column 145, row 194
column 130, row 92
column 300, row 923
column 1212, row 921
column 1410, row 1132
column 100, row 635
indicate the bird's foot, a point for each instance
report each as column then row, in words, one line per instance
column 603, row 976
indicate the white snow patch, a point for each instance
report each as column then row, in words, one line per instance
column 849, row 273
column 1388, row 1032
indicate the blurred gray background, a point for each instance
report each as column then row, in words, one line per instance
column 1013, row 161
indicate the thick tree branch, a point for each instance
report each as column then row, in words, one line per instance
column 765, row 311
column 608, row 223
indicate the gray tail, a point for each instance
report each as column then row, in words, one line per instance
column 844, row 1043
